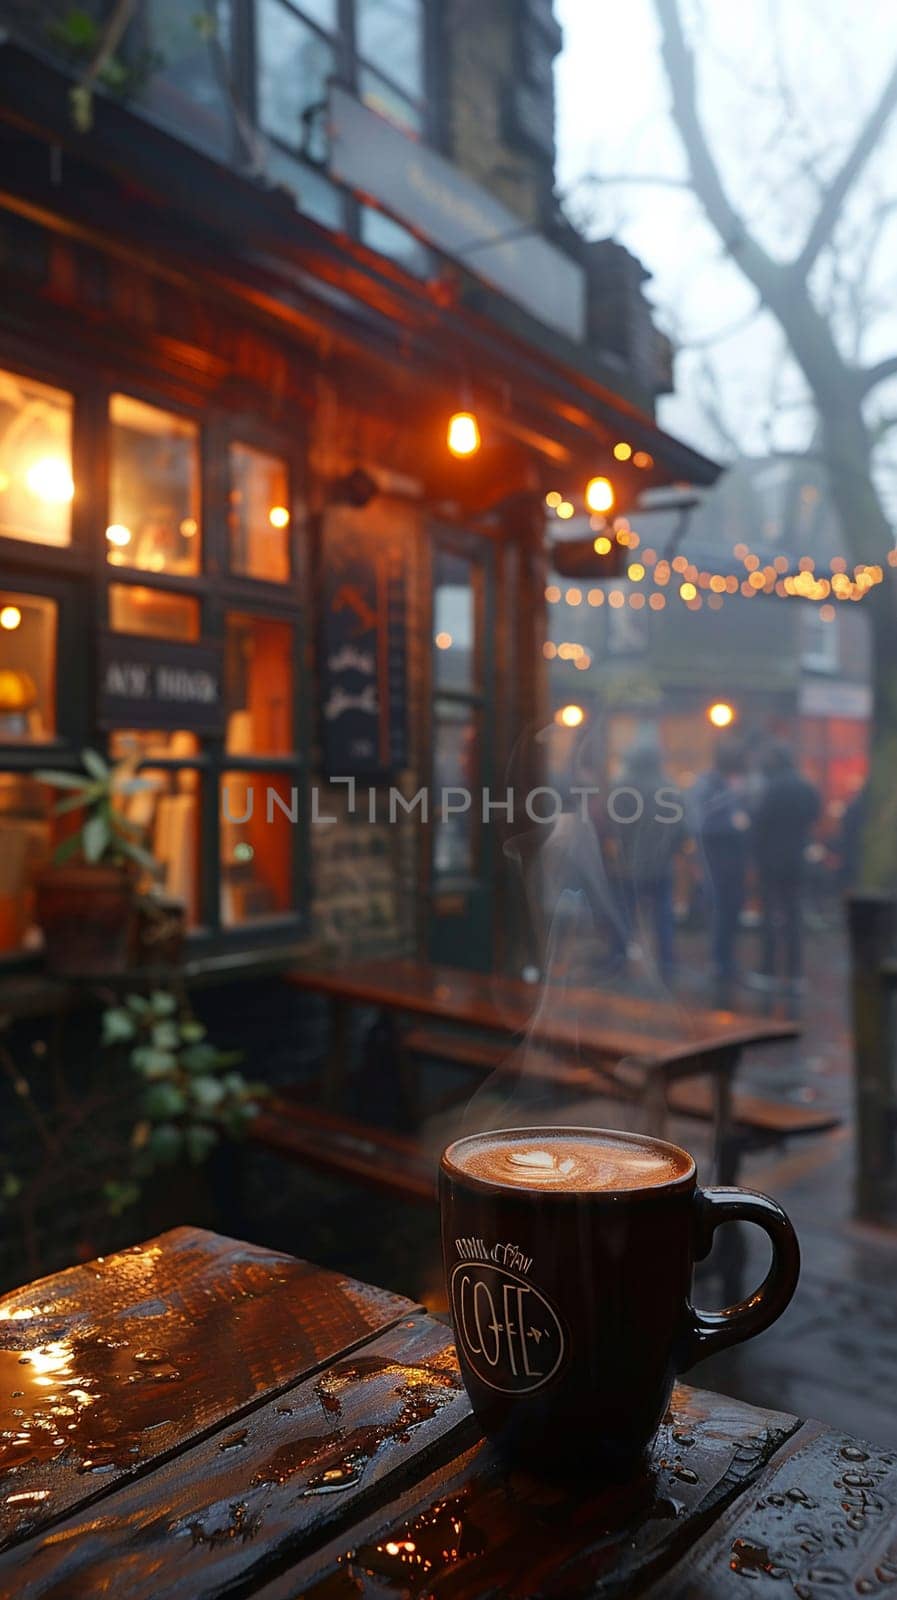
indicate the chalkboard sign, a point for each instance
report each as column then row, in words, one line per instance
column 159, row 683
column 363, row 669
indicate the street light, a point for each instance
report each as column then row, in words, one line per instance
column 721, row 714
column 570, row 716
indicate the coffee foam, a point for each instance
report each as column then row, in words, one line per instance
column 567, row 1159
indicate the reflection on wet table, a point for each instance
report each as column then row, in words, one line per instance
column 197, row 1415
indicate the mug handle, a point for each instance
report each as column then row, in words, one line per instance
column 716, row 1330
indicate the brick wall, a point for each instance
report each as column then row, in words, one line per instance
column 483, row 69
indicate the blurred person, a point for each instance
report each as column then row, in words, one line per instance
column 721, row 823
column 648, row 830
column 783, row 818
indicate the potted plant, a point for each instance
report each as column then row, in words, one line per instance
column 87, row 899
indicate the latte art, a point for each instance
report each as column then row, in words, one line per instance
column 553, row 1159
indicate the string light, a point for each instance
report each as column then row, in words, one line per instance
column 622, row 450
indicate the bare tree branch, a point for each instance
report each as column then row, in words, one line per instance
column 879, row 373
column 754, row 261
column 659, row 180
column 843, row 181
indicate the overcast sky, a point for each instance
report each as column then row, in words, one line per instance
column 612, row 119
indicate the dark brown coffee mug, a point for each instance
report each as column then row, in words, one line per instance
column 572, row 1309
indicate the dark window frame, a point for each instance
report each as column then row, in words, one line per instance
column 78, row 577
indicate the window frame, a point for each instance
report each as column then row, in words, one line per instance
column 78, row 577
column 475, row 699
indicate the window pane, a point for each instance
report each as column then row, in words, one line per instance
column 456, row 765
column 294, row 64
column 259, row 516
column 258, row 685
column 36, row 485
column 189, row 48
column 324, row 12
column 315, row 195
column 259, row 811
column 168, row 814
column 25, row 845
column 27, row 668
column 390, row 239
column 454, row 611
column 390, row 36
column 155, row 612
column 155, row 744
column 153, row 489
column 382, row 97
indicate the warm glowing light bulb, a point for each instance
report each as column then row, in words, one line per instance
column 10, row 618
column 687, row 591
column 565, row 510
column 463, row 434
column 553, row 499
column 50, row 479
column 601, row 545
column 599, row 494
column 622, row 451
column 721, row 714
column 279, row 517
column 636, row 572
column 118, row 534
column 443, row 641
column 570, row 716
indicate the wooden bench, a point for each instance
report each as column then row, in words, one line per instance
column 336, row 1144
column 497, row 1055
column 757, row 1122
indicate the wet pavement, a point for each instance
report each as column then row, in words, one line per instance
column 833, row 1355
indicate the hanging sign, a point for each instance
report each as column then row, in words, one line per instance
column 363, row 699
column 159, row 683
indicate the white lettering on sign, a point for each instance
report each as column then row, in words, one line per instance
column 187, row 686
column 338, row 702
column 131, row 680
column 507, row 1330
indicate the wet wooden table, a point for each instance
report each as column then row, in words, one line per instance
column 197, row 1417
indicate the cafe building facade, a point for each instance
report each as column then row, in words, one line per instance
column 250, row 275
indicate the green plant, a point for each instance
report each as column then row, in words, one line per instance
column 105, row 834
column 192, row 1094
column 73, row 1131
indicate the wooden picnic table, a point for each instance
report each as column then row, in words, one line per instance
column 197, row 1417
column 667, row 1041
